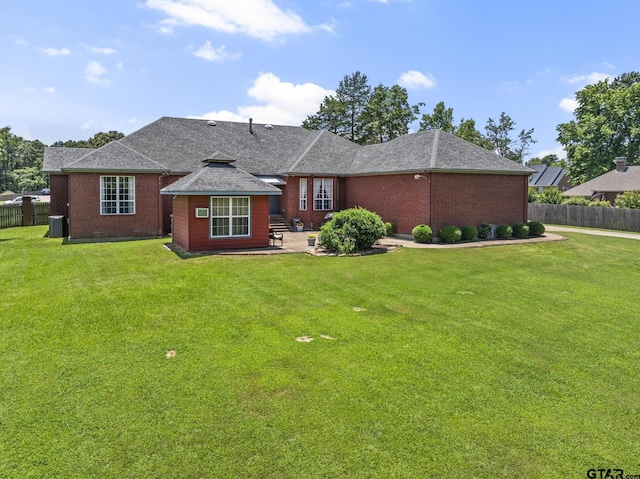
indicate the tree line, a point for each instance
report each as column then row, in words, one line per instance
column 368, row 115
column 21, row 160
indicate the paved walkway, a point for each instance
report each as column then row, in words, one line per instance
column 592, row 231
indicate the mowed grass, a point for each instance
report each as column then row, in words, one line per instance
column 509, row 361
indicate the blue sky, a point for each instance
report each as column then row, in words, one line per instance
column 72, row 68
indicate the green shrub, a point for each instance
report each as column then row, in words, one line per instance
column 469, row 233
column 354, row 229
column 576, row 200
column 450, row 234
column 600, row 203
column 551, row 196
column 533, row 194
column 390, row 227
column 504, row 231
column 520, row 230
column 422, row 234
column 485, row 230
column 535, row 228
column 628, row 199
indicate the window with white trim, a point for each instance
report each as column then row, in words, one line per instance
column 230, row 216
column 303, row 194
column 322, row 194
column 117, row 195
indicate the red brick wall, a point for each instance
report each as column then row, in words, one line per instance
column 85, row 220
column 59, row 195
column 401, row 199
column 290, row 201
column 467, row 199
column 192, row 234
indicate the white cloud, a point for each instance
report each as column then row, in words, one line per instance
column 559, row 152
column 50, row 89
column 568, row 104
column 588, row 79
column 211, row 54
column 414, row 79
column 257, row 18
column 285, row 103
column 53, row 52
column 102, row 51
column 95, row 73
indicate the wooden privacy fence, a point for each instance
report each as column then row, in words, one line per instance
column 11, row 216
column 622, row 219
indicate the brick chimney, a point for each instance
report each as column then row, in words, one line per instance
column 621, row 163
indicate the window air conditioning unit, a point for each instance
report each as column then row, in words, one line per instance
column 202, row 212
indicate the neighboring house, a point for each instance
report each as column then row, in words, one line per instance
column 611, row 184
column 213, row 185
column 549, row 176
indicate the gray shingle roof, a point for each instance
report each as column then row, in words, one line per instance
column 613, row 181
column 179, row 146
column 220, row 179
column 57, row 157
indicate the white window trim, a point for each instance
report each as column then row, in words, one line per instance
column 119, row 202
column 230, row 216
column 320, row 184
column 303, row 194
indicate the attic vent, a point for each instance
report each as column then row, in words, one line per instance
column 211, row 123
column 269, row 127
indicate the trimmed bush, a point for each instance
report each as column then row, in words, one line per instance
column 354, row 229
column 504, row 231
column 535, row 228
column 422, row 234
column 390, row 227
column 469, row 233
column 520, row 230
column 485, row 230
column 450, row 234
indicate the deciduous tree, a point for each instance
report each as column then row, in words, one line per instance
column 606, row 124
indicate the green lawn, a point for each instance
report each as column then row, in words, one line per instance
column 511, row 361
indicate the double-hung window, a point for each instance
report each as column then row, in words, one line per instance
column 303, row 194
column 230, row 216
column 117, row 195
column 322, row 194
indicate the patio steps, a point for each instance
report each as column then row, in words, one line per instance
column 279, row 223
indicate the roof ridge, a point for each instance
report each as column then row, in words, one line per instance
column 304, row 153
column 434, row 149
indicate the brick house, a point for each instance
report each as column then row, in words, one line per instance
column 220, row 181
column 611, row 184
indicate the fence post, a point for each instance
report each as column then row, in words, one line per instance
column 27, row 211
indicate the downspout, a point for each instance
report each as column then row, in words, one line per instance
column 525, row 180
column 160, row 210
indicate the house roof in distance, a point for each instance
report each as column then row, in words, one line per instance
column 612, row 181
column 546, row 176
column 179, row 145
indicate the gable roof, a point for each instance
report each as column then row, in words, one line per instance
column 612, row 181
column 179, row 145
